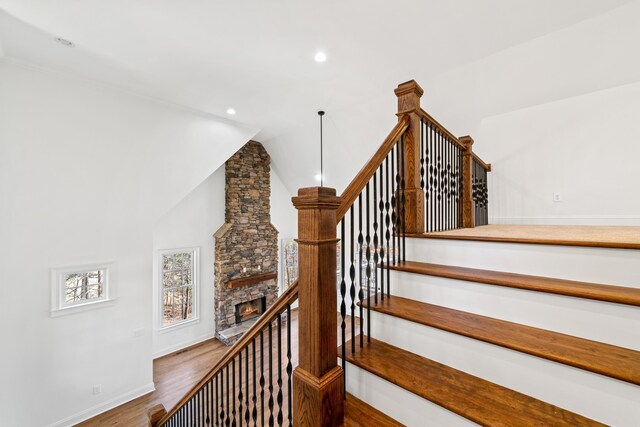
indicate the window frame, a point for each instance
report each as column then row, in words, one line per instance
column 60, row 307
column 195, row 273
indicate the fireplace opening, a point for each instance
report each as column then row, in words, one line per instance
column 250, row 309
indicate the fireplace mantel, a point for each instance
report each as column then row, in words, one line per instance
column 250, row 280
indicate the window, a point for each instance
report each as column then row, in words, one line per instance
column 75, row 288
column 179, row 292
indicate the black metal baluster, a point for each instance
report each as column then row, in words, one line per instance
column 398, row 193
column 393, row 207
column 449, row 188
column 222, row 399
column 240, row 396
column 441, row 181
column 387, row 220
column 368, row 267
column 404, row 200
column 217, row 407
column 352, row 287
column 290, row 368
column 343, row 295
column 382, row 251
column 254, row 395
column 269, row 329
column 247, row 412
column 422, row 182
column 360, row 291
column 262, row 381
column 227, row 420
column 432, row 178
column 375, row 238
column 279, row 362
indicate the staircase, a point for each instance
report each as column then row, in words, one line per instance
column 483, row 344
column 437, row 325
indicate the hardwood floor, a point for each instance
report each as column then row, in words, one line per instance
column 567, row 235
column 175, row 374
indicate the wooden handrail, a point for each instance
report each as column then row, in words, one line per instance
column 486, row 166
column 350, row 194
column 288, row 297
column 444, row 130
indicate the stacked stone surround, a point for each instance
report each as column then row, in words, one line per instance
column 247, row 240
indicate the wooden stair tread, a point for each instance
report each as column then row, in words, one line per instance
column 617, row 237
column 474, row 398
column 608, row 293
column 605, row 359
column 360, row 414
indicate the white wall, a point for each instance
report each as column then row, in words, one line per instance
column 85, row 173
column 584, row 148
column 192, row 223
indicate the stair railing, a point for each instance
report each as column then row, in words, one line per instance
column 420, row 179
column 250, row 385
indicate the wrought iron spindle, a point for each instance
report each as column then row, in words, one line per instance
column 254, row 394
column 387, row 220
column 375, row 238
column 368, row 267
column 240, row 401
column 393, row 207
column 382, row 251
column 279, row 362
column 262, row 381
column 403, row 201
column 247, row 412
column 352, row 287
column 270, row 402
column 360, row 291
column 227, row 420
column 290, row 369
column 343, row 295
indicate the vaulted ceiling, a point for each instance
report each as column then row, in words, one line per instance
column 258, row 56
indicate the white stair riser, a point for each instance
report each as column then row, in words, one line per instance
column 598, row 265
column 595, row 396
column 399, row 404
column 605, row 322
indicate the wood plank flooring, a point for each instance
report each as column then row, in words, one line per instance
column 175, row 374
column 619, row 237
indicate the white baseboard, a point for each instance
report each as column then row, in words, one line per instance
column 629, row 220
column 103, row 407
column 183, row 344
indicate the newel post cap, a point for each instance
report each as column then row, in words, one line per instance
column 407, row 88
column 466, row 140
column 316, row 197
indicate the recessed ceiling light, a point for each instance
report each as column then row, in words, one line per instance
column 320, row 57
column 64, row 42
column 231, row 111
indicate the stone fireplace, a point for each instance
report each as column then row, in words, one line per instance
column 246, row 246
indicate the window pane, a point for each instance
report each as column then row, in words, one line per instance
column 178, row 305
column 177, row 261
column 84, row 286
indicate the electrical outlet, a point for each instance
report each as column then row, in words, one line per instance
column 97, row 389
column 557, row 197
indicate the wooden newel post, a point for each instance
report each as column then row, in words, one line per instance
column 468, row 217
column 318, row 381
column 409, row 94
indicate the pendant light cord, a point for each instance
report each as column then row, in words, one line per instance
column 321, row 113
